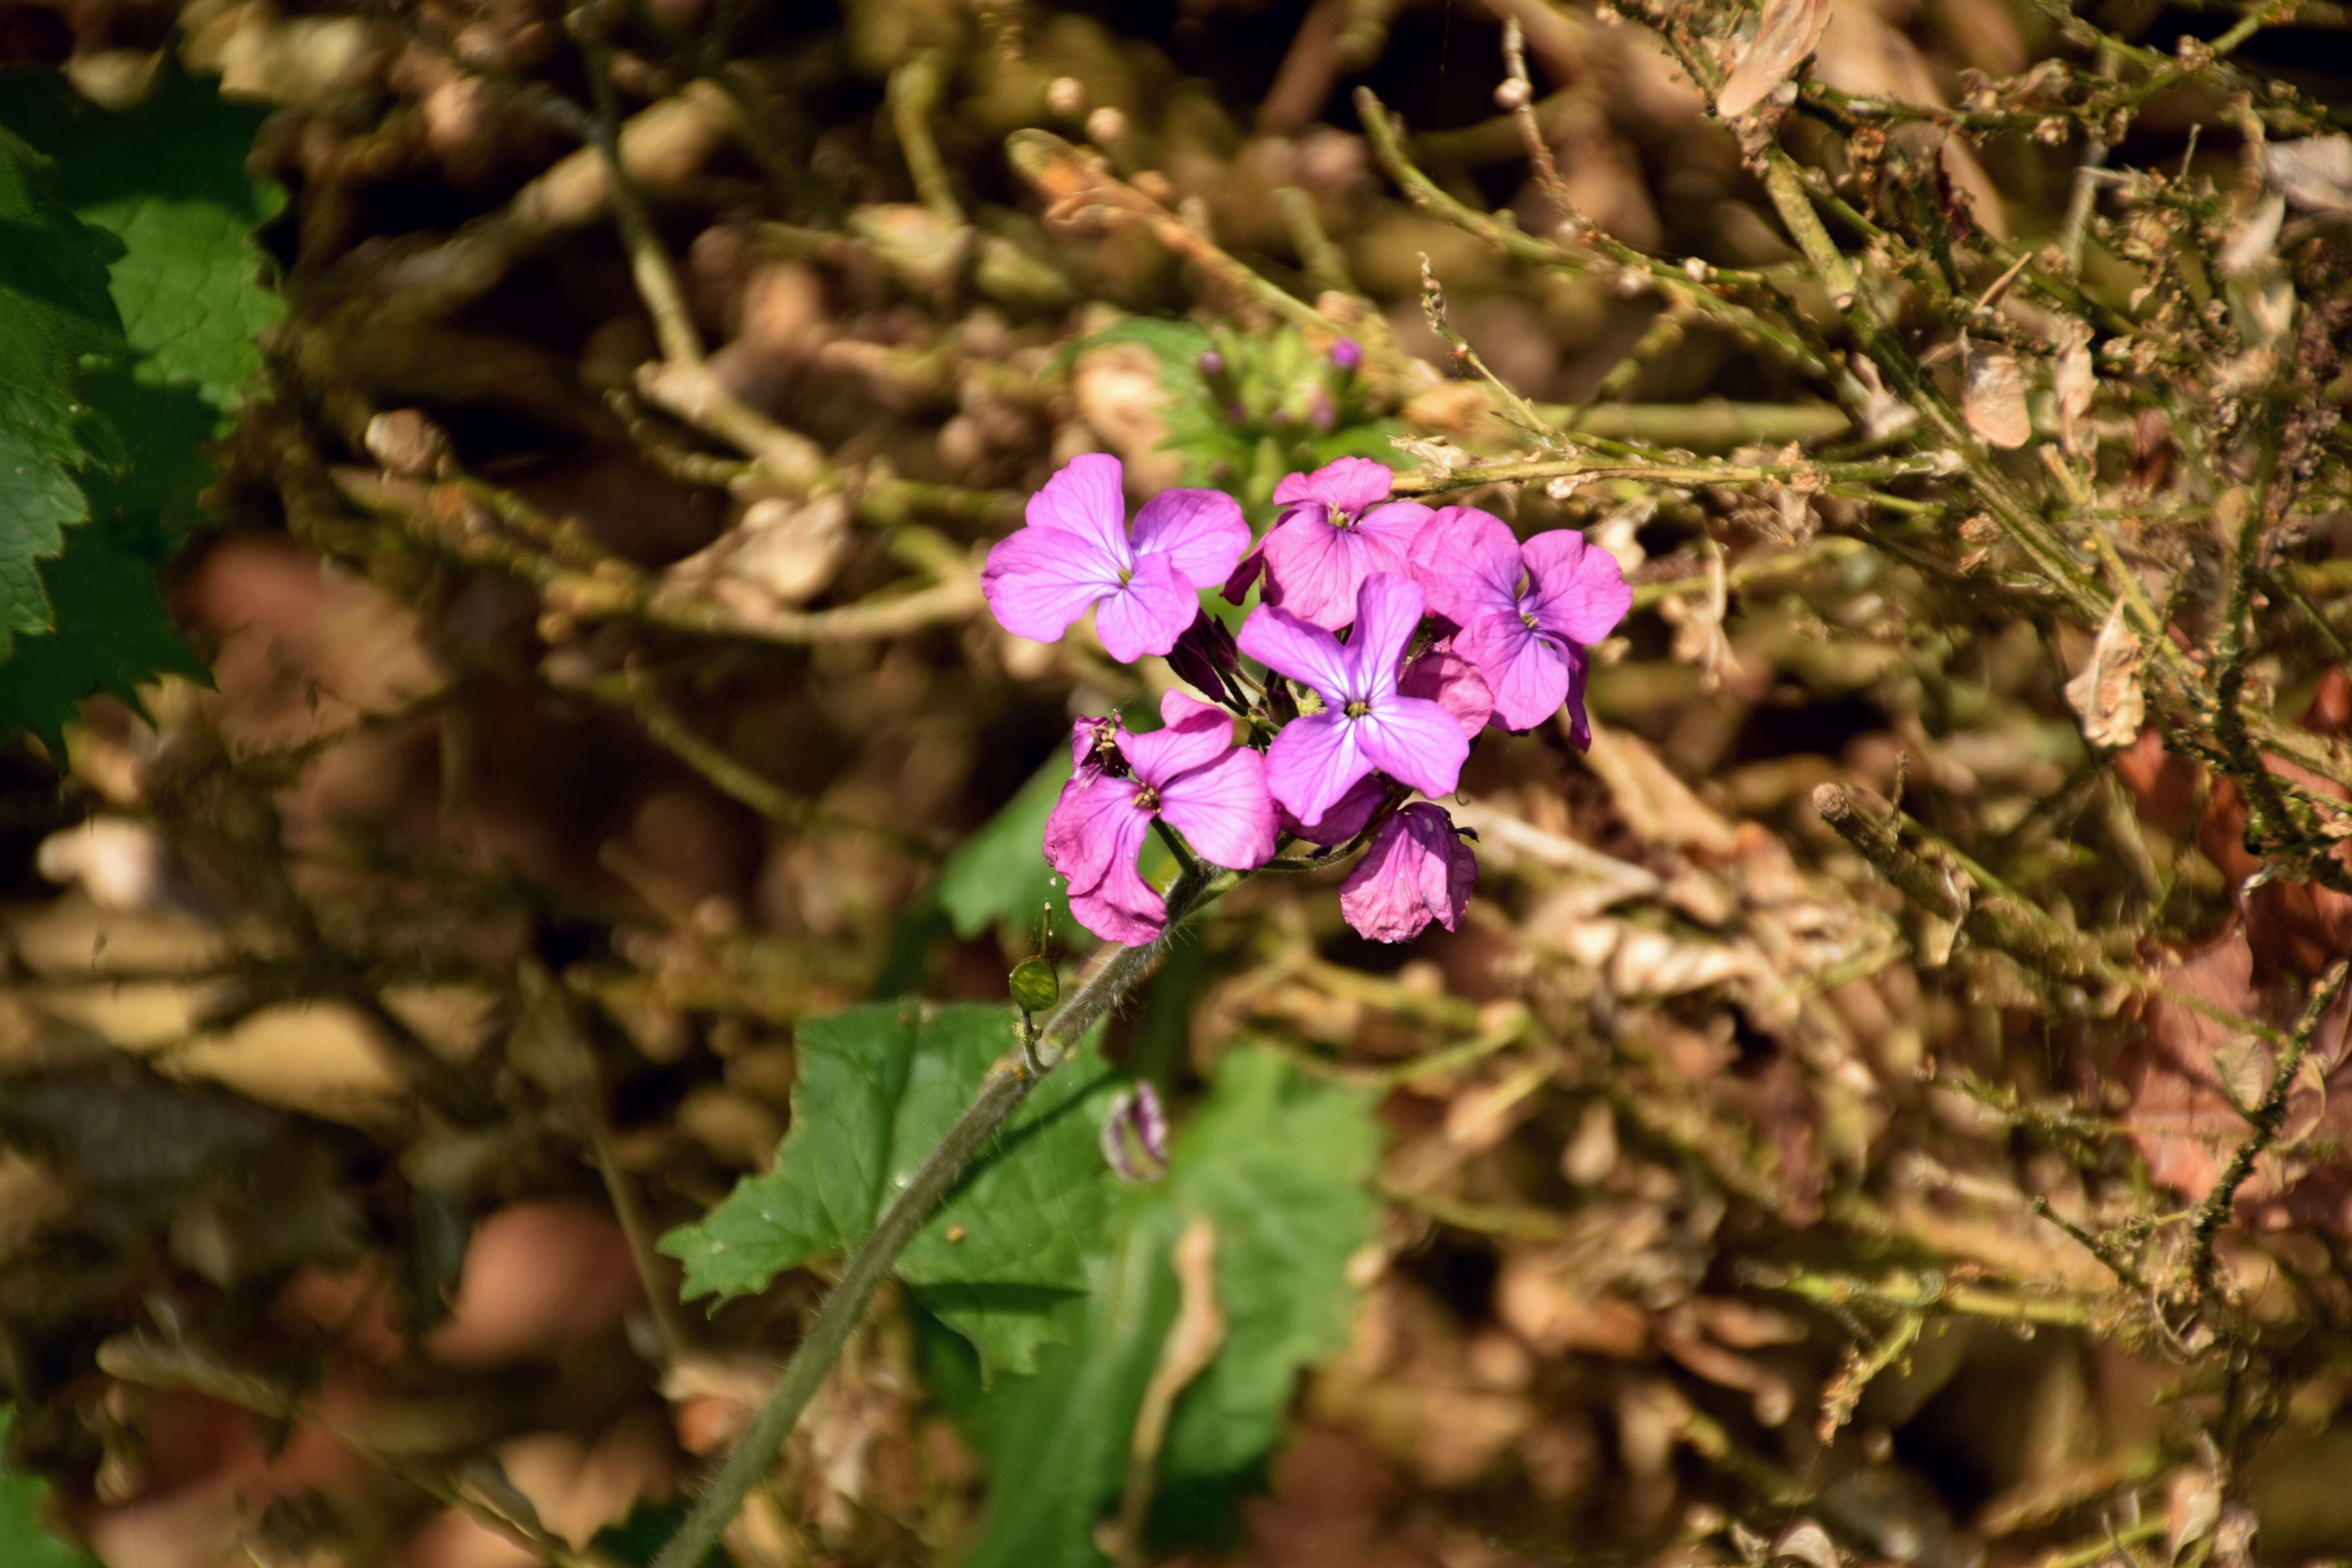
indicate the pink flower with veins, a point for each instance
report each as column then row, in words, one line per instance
column 1417, row 869
column 1075, row 553
column 1453, row 683
column 1344, row 818
column 1189, row 775
column 1527, row 611
column 1367, row 722
column 1333, row 533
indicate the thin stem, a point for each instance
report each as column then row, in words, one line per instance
column 656, row 280
column 1006, row 1086
column 2205, row 1223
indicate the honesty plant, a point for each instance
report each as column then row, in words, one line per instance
column 1389, row 636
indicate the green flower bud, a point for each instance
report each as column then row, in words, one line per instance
column 1034, row 985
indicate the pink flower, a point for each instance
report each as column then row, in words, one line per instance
column 1345, row 817
column 1417, row 869
column 1453, row 683
column 1332, row 534
column 1366, row 721
column 1189, row 774
column 1077, row 554
column 1526, row 612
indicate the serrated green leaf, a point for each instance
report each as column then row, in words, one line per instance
column 54, row 310
column 167, row 177
column 878, row 1086
column 1279, row 1164
column 25, row 1541
column 115, row 633
column 162, row 191
column 999, row 875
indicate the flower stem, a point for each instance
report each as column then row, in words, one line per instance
column 1005, row 1086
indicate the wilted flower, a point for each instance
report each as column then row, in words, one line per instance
column 1135, row 1123
column 1189, row 774
column 1417, row 869
column 1332, row 534
column 1077, row 554
column 1526, row 612
column 1366, row 721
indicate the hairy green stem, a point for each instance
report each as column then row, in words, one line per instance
column 1006, row 1086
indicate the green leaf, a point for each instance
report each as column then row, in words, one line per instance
column 878, row 1086
column 1279, row 1162
column 115, row 633
column 54, row 310
column 25, row 1541
column 162, row 191
column 167, row 177
column 999, row 875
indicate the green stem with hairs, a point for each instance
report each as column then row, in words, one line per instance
column 1000, row 1093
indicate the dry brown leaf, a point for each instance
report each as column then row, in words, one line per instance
column 2106, row 694
column 1788, row 31
column 2314, row 173
column 1992, row 396
column 2073, row 382
column 2180, row 1077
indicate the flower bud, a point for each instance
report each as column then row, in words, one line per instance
column 1347, row 353
column 1033, row 985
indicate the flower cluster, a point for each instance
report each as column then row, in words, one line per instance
column 1389, row 636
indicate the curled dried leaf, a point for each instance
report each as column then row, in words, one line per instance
column 1788, row 31
column 1992, row 396
column 2107, row 694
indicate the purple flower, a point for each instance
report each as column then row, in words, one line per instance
column 1347, row 353
column 1366, row 722
column 1075, row 554
column 1332, row 534
column 1189, row 774
column 1526, row 612
column 1417, row 869
column 1453, row 683
column 1346, row 816
column 1135, row 1111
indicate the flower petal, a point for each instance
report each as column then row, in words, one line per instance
column 1317, row 568
column 1578, row 590
column 1527, row 673
column 1417, row 869
column 1202, row 532
column 1085, row 825
column 1580, row 724
column 1349, row 484
column 1197, row 734
column 1147, row 613
column 1085, row 498
column 1315, row 761
column 1468, row 560
column 1346, row 816
column 1443, row 677
column 1237, row 585
column 1414, row 742
column 1388, row 533
column 1306, row 652
column 1041, row 579
column 1121, row 907
column 1223, row 810
column 1387, row 612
